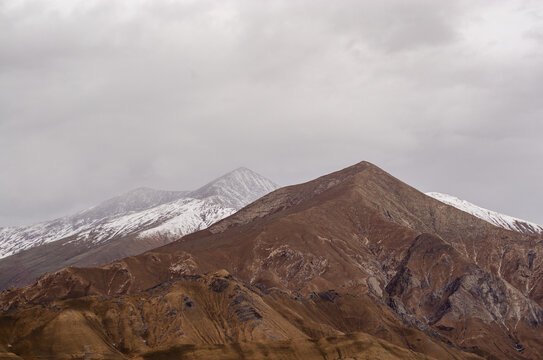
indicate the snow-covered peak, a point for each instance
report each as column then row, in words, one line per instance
column 493, row 217
column 239, row 188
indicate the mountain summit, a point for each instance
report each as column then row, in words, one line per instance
column 351, row 254
column 237, row 188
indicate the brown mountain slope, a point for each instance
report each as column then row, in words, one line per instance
column 368, row 236
column 189, row 316
column 25, row 267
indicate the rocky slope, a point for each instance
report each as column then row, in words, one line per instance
column 356, row 251
column 212, row 309
column 493, row 217
column 126, row 225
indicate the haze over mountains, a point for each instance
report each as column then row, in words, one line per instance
column 355, row 263
column 128, row 224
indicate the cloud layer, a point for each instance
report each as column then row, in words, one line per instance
column 98, row 97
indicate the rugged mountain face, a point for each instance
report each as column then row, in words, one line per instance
column 493, row 217
column 213, row 309
column 356, row 251
column 126, row 225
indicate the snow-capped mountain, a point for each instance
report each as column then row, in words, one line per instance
column 493, row 217
column 146, row 211
column 237, row 188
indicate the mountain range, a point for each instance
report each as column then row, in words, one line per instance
column 354, row 264
column 125, row 225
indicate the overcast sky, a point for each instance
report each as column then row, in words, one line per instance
column 99, row 97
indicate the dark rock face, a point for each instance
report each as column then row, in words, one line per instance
column 218, row 285
column 454, row 290
column 329, row 295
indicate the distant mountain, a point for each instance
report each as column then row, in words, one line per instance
column 125, row 225
column 493, row 217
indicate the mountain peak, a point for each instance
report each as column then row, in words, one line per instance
column 242, row 169
column 236, row 186
column 349, row 171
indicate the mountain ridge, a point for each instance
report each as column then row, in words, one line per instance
column 493, row 217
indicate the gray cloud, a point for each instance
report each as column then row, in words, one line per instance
column 100, row 97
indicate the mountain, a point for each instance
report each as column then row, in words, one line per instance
column 493, row 217
column 125, row 225
column 350, row 259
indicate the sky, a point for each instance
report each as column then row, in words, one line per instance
column 100, row 97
